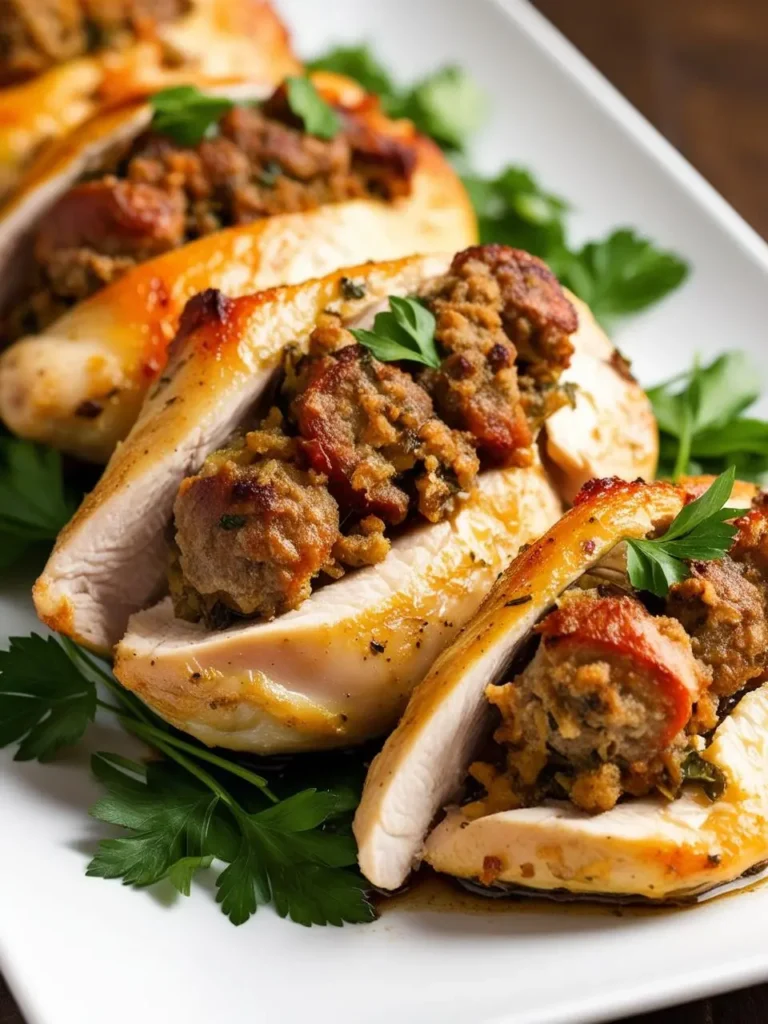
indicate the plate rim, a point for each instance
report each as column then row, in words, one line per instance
column 703, row 982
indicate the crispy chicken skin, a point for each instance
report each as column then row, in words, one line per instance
column 373, row 439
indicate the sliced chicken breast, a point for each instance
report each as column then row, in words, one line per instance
column 424, row 762
column 610, row 430
column 110, row 561
column 647, row 848
column 340, row 667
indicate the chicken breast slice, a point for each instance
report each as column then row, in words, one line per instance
column 106, row 351
column 645, row 848
column 110, row 561
column 424, row 762
column 339, row 668
column 611, row 429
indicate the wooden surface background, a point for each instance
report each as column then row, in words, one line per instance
column 697, row 69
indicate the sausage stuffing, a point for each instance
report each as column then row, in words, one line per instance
column 617, row 696
column 355, row 447
column 160, row 195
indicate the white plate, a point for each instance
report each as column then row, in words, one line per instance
column 84, row 951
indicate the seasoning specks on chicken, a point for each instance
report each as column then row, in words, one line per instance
column 364, row 446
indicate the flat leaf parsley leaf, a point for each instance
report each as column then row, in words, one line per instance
column 406, row 332
column 187, row 115
column 622, row 273
column 700, row 422
column 283, row 857
column 33, row 503
column 699, row 532
column 359, row 63
column 446, row 104
column 176, row 823
column 45, row 701
column 305, row 101
column 190, row 807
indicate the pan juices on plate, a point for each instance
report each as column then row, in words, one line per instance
column 325, row 482
column 600, row 726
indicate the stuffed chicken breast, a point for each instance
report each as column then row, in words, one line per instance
column 122, row 224
column 63, row 60
column 584, row 734
column 326, row 481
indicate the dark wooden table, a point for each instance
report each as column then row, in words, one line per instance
column 698, row 69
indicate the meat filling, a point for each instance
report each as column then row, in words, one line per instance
column 362, row 447
column 160, row 195
column 38, row 34
column 615, row 699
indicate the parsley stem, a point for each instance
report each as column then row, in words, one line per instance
column 154, row 735
column 80, row 659
column 159, row 739
column 684, row 446
column 106, row 706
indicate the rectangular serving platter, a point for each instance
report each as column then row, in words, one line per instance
column 85, row 951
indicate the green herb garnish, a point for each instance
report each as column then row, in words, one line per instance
column 407, row 332
column 231, row 522
column 700, row 421
column 618, row 275
column 190, row 808
column 446, row 104
column 305, row 101
column 712, row 779
column 622, row 274
column 33, row 503
column 700, row 532
column 45, row 701
column 187, row 115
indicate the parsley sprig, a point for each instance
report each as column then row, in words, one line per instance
column 190, row 809
column 701, row 423
column 33, row 502
column 446, row 104
column 700, row 532
column 187, row 115
column 406, row 332
column 305, row 101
